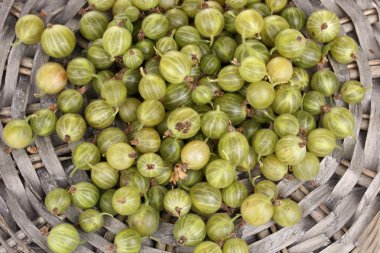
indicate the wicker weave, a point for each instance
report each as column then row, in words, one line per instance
column 338, row 207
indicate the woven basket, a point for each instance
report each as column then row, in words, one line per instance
column 338, row 207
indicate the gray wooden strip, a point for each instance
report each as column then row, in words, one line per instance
column 11, row 75
column 364, row 4
column 28, row 6
column 373, row 134
column 5, row 8
column 339, row 216
column 348, row 241
column 286, row 187
column 308, row 204
column 311, row 244
column 328, row 167
column 24, row 223
column 349, row 179
column 72, row 8
column 51, row 162
column 362, row 27
column 282, row 238
column 332, row 6
column 5, row 215
column 27, row 170
column 369, row 196
column 6, row 37
column 365, row 78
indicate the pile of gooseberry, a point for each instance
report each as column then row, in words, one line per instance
column 184, row 96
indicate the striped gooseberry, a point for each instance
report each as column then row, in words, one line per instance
column 220, row 173
column 325, row 81
column 234, row 195
column 273, row 25
column 279, row 70
column 321, row 142
column 219, row 227
column 109, row 136
column 286, row 212
column 93, row 24
column 102, row 5
column 323, row 26
column 99, row 114
column 260, row 95
column 57, row 201
column 104, row 176
column 70, row 100
column 290, row 43
column 313, row 102
column 257, row 209
column 205, row 199
column 145, row 5
column 151, row 86
column 133, row 178
column 184, row 122
column 150, row 165
column 195, row 155
column 352, row 92
column 43, row 122
column 84, row 155
column 189, row 230
column 207, row 247
column 91, row 220
column 177, row 202
column 295, row 17
column 235, row 245
column 276, row 5
column 214, row 124
column 175, row 67
column 126, row 200
column 267, row 188
column 209, row 22
column 145, row 220
column 84, row 195
column 344, row 49
column 233, row 105
column 63, row 238
column 170, row 149
column 71, row 127
column 249, row 23
column 287, row 100
column 146, row 140
column 116, row 40
column 128, row 240
column 340, row 121
column 58, row 41
column 114, row 92
column 273, row 169
column 155, row 26
column 233, row 147
column 286, row 124
column 133, row 58
column 105, row 202
column 156, row 196
column 29, row 29
column 80, row 71
column 121, row 156
column 311, row 57
column 150, row 112
column 224, row 48
column 290, row 150
column 128, row 109
column 264, row 142
column 308, row 169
